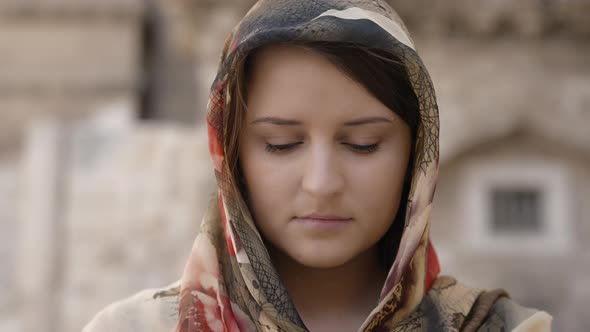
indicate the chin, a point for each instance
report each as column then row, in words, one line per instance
column 317, row 259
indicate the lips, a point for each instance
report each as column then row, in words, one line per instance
column 323, row 224
column 323, row 217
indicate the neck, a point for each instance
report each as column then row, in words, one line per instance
column 352, row 288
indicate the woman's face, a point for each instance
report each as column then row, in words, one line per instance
column 324, row 161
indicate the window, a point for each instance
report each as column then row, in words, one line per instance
column 516, row 211
column 515, row 206
column 151, row 45
column 168, row 81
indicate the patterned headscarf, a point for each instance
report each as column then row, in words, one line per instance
column 229, row 283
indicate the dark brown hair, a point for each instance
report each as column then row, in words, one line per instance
column 383, row 74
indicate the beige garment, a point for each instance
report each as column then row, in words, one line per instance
column 151, row 310
column 156, row 310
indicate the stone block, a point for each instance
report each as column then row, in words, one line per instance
column 71, row 55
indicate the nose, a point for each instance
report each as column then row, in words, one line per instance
column 322, row 174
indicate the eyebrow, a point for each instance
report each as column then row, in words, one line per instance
column 287, row 122
column 362, row 121
column 276, row 121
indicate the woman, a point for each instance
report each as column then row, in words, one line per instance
column 323, row 130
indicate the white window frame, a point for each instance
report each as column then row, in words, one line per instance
column 549, row 177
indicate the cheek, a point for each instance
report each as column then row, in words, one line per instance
column 264, row 174
column 269, row 181
column 379, row 184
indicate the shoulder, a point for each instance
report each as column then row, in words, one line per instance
column 508, row 315
column 494, row 310
column 151, row 310
column 473, row 309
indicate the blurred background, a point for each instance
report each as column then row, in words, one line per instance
column 104, row 169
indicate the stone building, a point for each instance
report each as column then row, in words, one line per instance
column 60, row 60
column 89, row 189
column 102, row 148
column 511, row 203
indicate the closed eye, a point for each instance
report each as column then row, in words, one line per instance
column 364, row 148
column 280, row 148
column 285, row 147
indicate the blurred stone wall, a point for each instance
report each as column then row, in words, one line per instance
column 134, row 207
column 9, row 185
column 108, row 206
column 91, row 67
column 65, row 58
column 533, row 274
column 538, row 19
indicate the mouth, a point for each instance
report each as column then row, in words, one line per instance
column 322, row 219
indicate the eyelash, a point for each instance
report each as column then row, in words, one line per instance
column 284, row 147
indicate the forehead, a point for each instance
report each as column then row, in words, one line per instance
column 296, row 82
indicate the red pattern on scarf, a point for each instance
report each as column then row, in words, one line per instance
column 432, row 268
